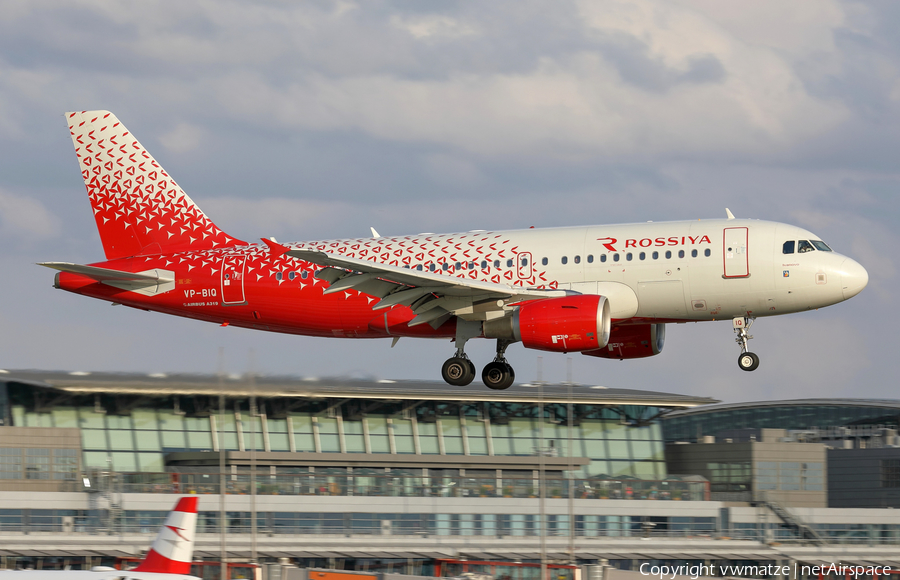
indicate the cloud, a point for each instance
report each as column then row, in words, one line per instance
column 21, row 217
column 183, row 138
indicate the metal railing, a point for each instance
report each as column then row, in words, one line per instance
column 411, row 486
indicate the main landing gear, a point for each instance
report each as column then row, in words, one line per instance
column 459, row 371
column 747, row 361
column 498, row 374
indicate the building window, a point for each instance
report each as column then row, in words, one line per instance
column 65, row 464
column 890, row 473
column 37, row 464
column 11, row 463
column 766, row 475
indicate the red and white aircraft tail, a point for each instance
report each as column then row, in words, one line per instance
column 139, row 209
column 173, row 547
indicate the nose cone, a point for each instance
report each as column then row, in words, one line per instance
column 853, row 278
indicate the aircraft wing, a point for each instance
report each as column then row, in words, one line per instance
column 433, row 297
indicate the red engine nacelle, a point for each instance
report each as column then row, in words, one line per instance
column 565, row 324
column 638, row 341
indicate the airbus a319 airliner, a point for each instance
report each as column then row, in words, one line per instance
column 605, row 291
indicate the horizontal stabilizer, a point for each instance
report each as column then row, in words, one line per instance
column 105, row 274
column 148, row 282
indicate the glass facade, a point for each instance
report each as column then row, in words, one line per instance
column 615, row 440
column 692, row 426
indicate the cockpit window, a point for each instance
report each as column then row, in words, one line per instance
column 804, row 246
column 788, row 247
column 820, row 245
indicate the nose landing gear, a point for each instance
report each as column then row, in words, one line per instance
column 747, row 361
column 498, row 374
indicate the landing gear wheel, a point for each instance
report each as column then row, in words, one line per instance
column 458, row 371
column 748, row 361
column 498, row 375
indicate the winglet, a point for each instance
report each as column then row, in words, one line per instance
column 729, row 214
column 173, row 549
column 374, row 233
column 275, row 247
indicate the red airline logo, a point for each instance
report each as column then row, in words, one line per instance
column 608, row 243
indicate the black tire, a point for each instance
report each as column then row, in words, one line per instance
column 458, row 372
column 498, row 376
column 748, row 361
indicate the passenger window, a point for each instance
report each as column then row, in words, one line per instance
column 565, row 260
column 471, row 265
column 590, row 258
column 628, row 256
column 543, row 261
column 292, row 275
column 656, row 255
column 419, row 267
column 279, row 276
column 680, row 253
column 457, row 266
column 445, row 266
column 707, row 252
column 431, row 267
column 496, row 263
column 642, row 256
column 803, row 246
column 788, row 247
column 577, row 259
column 304, row 274
column 602, row 257
column 693, row 253
column 524, row 261
column 615, row 257
column 509, row 263
column 484, row 264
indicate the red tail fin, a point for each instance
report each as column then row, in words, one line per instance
column 173, row 548
column 139, row 209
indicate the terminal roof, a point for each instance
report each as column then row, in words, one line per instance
column 296, row 387
column 879, row 403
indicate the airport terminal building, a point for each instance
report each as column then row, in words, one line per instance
column 394, row 475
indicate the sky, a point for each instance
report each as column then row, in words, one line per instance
column 314, row 120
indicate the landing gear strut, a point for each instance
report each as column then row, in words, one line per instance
column 747, row 361
column 498, row 374
column 458, row 370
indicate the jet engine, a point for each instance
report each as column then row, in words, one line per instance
column 634, row 341
column 565, row 324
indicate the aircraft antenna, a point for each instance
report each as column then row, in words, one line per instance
column 729, row 214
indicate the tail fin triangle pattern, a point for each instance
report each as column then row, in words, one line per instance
column 173, row 548
column 138, row 207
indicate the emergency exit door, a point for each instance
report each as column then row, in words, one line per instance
column 736, row 256
column 233, row 279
